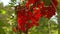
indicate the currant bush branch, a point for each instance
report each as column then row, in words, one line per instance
column 53, row 5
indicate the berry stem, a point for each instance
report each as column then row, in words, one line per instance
column 26, row 31
column 20, row 32
column 49, row 27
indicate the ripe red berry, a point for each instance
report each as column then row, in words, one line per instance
column 29, row 15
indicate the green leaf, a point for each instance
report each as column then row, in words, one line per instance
column 2, row 11
column 13, row 0
column 1, row 31
column 58, row 0
column 1, row 24
column 47, row 2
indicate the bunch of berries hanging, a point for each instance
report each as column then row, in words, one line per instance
column 29, row 14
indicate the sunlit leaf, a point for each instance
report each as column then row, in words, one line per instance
column 3, row 11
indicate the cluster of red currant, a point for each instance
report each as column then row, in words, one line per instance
column 29, row 14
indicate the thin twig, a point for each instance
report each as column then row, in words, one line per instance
column 53, row 5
